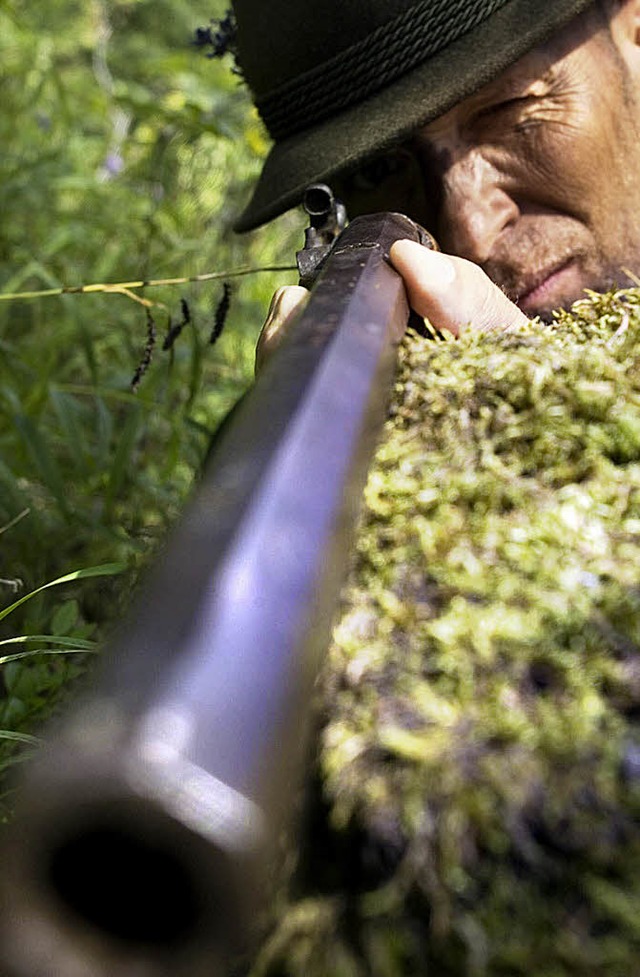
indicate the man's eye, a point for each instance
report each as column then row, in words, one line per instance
column 508, row 105
column 390, row 181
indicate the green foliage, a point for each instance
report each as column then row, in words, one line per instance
column 34, row 679
column 480, row 756
column 126, row 154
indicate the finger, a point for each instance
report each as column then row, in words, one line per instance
column 285, row 305
column 451, row 292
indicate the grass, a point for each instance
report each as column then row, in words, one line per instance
column 126, row 155
column 35, row 678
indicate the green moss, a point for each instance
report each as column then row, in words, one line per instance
column 480, row 760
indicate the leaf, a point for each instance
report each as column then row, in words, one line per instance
column 106, row 570
column 66, row 408
column 13, row 498
column 54, row 639
column 13, row 522
column 44, row 461
column 123, row 459
column 19, row 655
column 7, row 734
column 65, row 616
column 17, row 280
column 104, row 431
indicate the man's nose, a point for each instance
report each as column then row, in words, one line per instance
column 476, row 209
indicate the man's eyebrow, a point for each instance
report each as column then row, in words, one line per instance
column 514, row 82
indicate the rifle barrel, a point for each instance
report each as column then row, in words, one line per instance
column 148, row 828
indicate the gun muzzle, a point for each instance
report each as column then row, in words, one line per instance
column 148, row 831
column 125, row 861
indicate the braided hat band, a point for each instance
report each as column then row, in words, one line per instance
column 370, row 65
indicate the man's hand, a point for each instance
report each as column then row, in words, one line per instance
column 454, row 294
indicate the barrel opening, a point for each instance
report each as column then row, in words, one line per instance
column 135, row 889
column 318, row 201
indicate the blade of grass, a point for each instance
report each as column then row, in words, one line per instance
column 55, row 639
column 19, row 655
column 14, row 521
column 67, row 413
column 7, row 734
column 122, row 462
column 12, row 496
column 106, row 570
column 44, row 461
column 104, row 431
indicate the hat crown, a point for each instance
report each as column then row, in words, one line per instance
column 279, row 40
column 322, row 65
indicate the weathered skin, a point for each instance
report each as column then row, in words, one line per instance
column 536, row 177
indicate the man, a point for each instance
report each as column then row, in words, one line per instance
column 508, row 128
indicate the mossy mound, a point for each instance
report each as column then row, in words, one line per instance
column 479, row 760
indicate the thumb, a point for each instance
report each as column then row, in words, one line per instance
column 451, row 292
column 285, row 305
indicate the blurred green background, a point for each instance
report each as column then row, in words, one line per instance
column 126, row 154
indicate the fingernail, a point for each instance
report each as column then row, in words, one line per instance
column 286, row 300
column 435, row 269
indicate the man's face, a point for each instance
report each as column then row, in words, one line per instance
column 536, row 178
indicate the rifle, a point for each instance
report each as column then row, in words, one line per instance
column 148, row 829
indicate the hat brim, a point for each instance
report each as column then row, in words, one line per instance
column 318, row 153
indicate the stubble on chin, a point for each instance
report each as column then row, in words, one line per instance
column 594, row 270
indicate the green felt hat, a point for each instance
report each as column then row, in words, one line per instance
column 339, row 80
